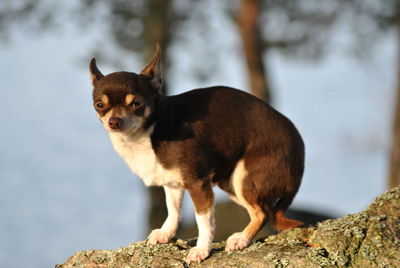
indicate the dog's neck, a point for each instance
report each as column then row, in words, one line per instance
column 137, row 151
column 163, row 116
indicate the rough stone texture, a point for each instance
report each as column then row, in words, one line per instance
column 367, row 239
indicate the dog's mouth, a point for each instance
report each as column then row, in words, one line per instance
column 124, row 125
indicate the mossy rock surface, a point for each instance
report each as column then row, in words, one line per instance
column 367, row 239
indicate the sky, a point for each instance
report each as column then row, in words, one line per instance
column 64, row 189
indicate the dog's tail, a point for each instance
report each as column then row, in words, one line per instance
column 282, row 223
column 277, row 215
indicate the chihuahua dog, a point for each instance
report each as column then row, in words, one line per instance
column 196, row 140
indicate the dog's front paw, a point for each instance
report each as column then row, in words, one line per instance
column 158, row 236
column 197, row 254
column 237, row 241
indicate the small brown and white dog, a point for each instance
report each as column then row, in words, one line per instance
column 199, row 139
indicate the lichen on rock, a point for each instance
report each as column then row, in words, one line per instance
column 367, row 239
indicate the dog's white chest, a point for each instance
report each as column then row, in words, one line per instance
column 142, row 160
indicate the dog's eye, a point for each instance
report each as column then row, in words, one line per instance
column 100, row 105
column 135, row 104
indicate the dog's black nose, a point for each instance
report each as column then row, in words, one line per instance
column 115, row 123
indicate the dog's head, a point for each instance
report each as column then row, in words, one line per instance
column 124, row 101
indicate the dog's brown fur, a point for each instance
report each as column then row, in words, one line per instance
column 208, row 135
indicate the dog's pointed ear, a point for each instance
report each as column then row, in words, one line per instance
column 153, row 69
column 95, row 73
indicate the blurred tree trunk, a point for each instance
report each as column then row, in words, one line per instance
column 158, row 24
column 394, row 173
column 394, row 169
column 249, row 17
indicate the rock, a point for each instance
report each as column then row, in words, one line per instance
column 367, row 239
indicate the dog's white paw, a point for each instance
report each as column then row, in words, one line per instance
column 197, row 254
column 158, row 236
column 237, row 241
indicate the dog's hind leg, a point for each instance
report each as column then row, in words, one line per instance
column 238, row 241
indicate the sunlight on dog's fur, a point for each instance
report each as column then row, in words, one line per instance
column 196, row 140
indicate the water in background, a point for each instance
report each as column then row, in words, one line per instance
column 63, row 188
